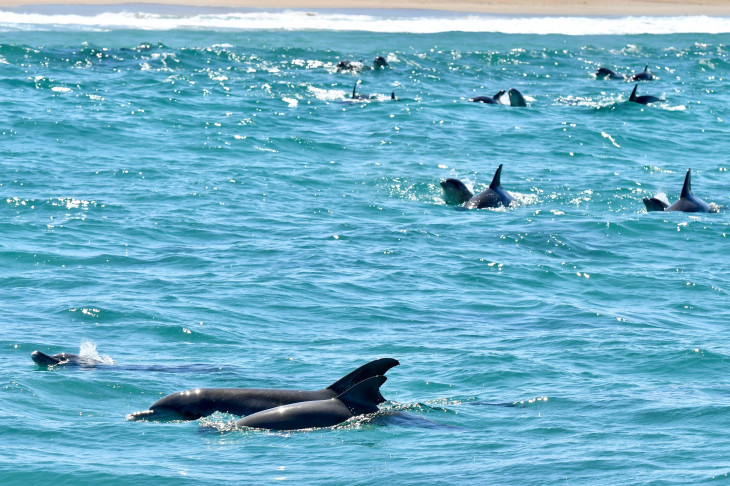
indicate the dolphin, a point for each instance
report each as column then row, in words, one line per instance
column 642, row 100
column 516, row 98
column 490, row 100
column 193, row 404
column 455, row 192
column 644, row 75
column 363, row 96
column 64, row 359
column 361, row 399
column 380, row 62
column 687, row 202
column 604, row 72
column 346, row 65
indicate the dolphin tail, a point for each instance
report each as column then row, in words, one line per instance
column 364, row 397
column 373, row 368
column 687, row 188
column 633, row 94
column 497, row 180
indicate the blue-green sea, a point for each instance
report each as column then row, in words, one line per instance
column 196, row 199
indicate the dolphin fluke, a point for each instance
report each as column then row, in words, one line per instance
column 365, row 396
column 497, row 179
column 368, row 370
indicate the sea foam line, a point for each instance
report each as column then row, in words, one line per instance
column 378, row 21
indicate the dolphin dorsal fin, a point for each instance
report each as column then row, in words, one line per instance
column 646, row 68
column 368, row 370
column 633, row 93
column 354, row 88
column 365, row 396
column 687, row 188
column 498, row 95
column 497, row 180
column 392, row 95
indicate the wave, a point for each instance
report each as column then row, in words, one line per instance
column 156, row 17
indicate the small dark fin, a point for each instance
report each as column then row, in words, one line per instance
column 646, row 68
column 686, row 188
column 364, row 397
column 497, row 96
column 654, row 204
column 633, row 94
column 373, row 368
column 497, row 180
column 354, row 88
column 392, row 95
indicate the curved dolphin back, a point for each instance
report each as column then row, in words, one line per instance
column 373, row 368
column 688, row 202
column 364, row 397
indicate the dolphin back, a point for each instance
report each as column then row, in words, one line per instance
column 365, row 396
column 688, row 202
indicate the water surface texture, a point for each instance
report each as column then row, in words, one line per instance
column 206, row 207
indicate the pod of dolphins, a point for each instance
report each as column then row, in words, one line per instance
column 358, row 392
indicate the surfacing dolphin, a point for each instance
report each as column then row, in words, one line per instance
column 687, row 202
column 604, row 72
column 361, row 399
column 516, row 98
column 490, row 100
column 193, row 404
column 644, row 75
column 64, row 359
column 455, row 192
column 364, row 96
column 642, row 100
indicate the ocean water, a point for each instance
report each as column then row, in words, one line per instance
column 196, row 199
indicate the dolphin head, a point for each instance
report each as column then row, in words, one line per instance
column 455, row 192
column 380, row 62
column 604, row 72
column 43, row 359
column 516, row 98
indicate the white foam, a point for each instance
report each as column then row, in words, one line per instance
column 401, row 21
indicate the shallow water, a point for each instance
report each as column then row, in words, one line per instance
column 209, row 209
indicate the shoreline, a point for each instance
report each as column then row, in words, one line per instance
column 577, row 8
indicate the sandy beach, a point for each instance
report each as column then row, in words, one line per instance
column 513, row 7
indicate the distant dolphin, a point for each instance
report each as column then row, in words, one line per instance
column 604, row 72
column 345, row 65
column 364, row 96
column 644, row 75
column 64, row 359
column 687, row 202
column 455, row 192
column 361, row 399
column 516, row 98
column 193, row 404
column 380, row 62
column 490, row 100
column 643, row 100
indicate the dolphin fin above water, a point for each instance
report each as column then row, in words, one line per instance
column 687, row 202
column 361, row 399
column 201, row 402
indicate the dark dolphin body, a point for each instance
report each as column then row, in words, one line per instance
column 364, row 96
column 644, row 75
column 193, row 404
column 642, row 100
column 64, row 359
column 361, row 399
column 379, row 63
column 687, row 202
column 490, row 100
column 604, row 72
column 455, row 192
column 516, row 98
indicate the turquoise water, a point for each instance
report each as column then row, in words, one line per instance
column 205, row 208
